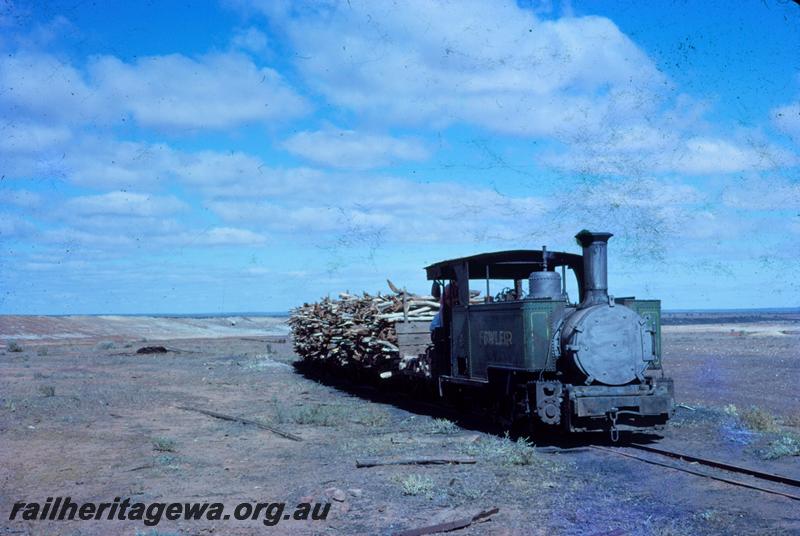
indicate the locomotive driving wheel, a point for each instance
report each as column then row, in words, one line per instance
column 519, row 415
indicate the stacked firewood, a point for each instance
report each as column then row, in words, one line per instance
column 358, row 330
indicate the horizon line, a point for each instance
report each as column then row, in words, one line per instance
column 277, row 314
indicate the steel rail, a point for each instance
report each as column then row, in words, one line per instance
column 699, row 473
column 772, row 477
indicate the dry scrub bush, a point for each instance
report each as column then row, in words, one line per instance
column 788, row 445
column 163, row 444
column 443, row 426
column 416, row 485
column 759, row 420
column 505, row 451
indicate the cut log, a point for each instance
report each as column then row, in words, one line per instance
column 363, row 330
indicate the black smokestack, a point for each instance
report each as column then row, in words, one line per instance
column 595, row 266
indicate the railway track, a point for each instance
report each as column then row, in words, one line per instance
column 725, row 469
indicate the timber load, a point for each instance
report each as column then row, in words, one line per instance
column 361, row 331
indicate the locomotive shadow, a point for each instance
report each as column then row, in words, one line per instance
column 420, row 401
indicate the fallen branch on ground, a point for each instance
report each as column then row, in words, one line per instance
column 266, row 338
column 148, row 466
column 451, row 525
column 152, row 350
column 415, row 461
column 242, row 420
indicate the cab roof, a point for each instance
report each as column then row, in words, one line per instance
column 511, row 264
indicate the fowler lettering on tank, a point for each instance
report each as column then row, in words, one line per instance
column 496, row 338
column 589, row 364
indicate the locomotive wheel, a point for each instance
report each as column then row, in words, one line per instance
column 519, row 417
column 542, row 432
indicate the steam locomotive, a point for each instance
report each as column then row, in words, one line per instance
column 593, row 365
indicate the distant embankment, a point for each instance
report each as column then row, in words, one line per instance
column 43, row 328
column 678, row 318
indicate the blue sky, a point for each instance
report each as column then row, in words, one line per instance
column 249, row 156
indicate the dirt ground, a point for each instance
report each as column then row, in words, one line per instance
column 84, row 416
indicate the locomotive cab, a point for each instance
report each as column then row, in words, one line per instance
column 590, row 365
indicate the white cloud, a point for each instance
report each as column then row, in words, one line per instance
column 42, row 86
column 238, row 174
column 215, row 170
column 25, row 138
column 123, row 219
column 579, row 81
column 231, row 236
column 20, row 198
column 12, row 226
column 125, row 165
column 145, row 229
column 40, row 34
column 787, row 119
column 173, row 91
column 357, row 208
column 492, row 64
column 647, row 192
column 647, row 215
column 211, row 92
column 107, row 163
column 115, row 236
column 117, row 219
column 644, row 150
column 762, row 194
column 701, row 227
column 794, row 224
column 242, row 190
column 251, row 39
column 702, row 155
column 126, row 204
column 72, row 238
column 348, row 149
